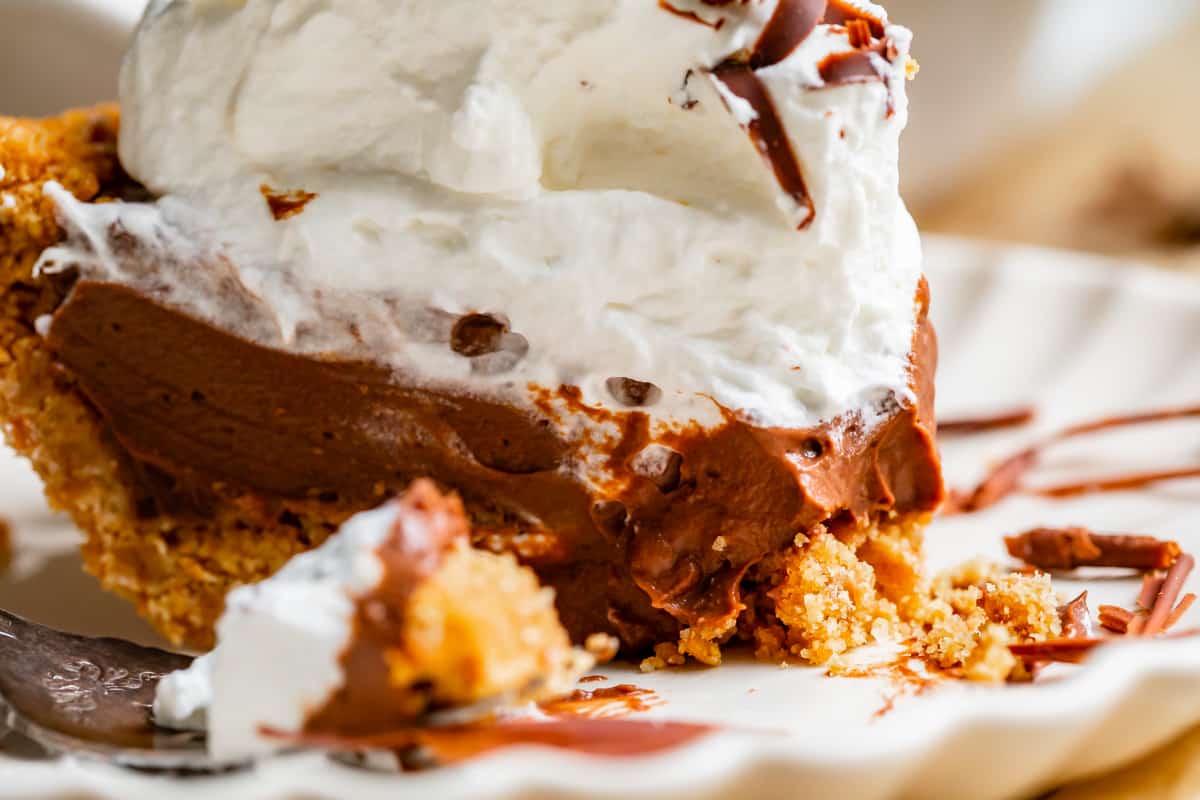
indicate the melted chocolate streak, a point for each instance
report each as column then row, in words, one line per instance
column 1007, row 477
column 769, row 135
column 792, row 22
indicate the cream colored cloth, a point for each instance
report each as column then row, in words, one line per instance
column 1172, row 773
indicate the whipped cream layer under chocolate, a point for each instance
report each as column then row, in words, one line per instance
column 204, row 414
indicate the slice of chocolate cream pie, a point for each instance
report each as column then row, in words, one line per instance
column 631, row 278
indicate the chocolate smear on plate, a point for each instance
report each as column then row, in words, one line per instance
column 1007, row 477
column 1015, row 418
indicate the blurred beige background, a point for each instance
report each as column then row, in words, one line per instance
column 1064, row 123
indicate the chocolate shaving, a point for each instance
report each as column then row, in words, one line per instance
column 769, row 135
column 1164, row 604
column 1151, row 585
column 1115, row 618
column 1006, row 419
column 1005, row 478
column 792, row 23
column 1076, row 619
column 839, row 69
column 859, row 32
column 284, row 204
column 1073, row 651
column 1185, row 603
column 1068, row 651
column 1069, row 548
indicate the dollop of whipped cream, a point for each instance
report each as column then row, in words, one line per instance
column 281, row 644
column 578, row 171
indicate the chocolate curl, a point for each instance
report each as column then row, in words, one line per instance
column 1073, row 651
column 1115, row 618
column 1007, row 419
column 792, row 23
column 1185, row 603
column 1002, row 481
column 1164, row 604
column 1076, row 619
column 1069, row 548
column 1151, row 585
column 1005, row 478
column 1066, row 651
column 769, row 135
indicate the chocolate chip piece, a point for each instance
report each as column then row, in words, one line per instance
column 661, row 465
column 630, row 392
column 478, row 334
column 812, row 449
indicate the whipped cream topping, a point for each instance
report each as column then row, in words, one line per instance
column 280, row 644
column 580, row 172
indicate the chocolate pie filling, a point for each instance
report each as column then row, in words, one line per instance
column 204, row 414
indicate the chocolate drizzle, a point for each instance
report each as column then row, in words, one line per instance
column 769, row 135
column 857, row 66
column 1071, row 548
column 1015, row 418
column 1076, row 619
column 1007, row 477
column 792, row 22
column 212, row 415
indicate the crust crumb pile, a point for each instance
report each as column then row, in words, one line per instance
column 833, row 592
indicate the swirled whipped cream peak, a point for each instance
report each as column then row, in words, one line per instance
column 685, row 206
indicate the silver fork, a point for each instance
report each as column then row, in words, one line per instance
column 89, row 696
column 94, row 697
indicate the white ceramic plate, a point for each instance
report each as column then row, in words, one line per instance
column 1076, row 335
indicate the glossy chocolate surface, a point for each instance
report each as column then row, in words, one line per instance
column 205, row 415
